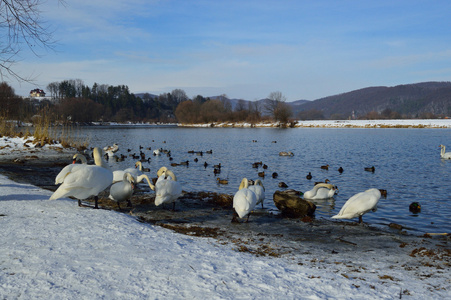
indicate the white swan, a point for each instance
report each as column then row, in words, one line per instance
column 259, row 191
column 123, row 190
column 359, row 204
column 443, row 154
column 321, row 191
column 144, row 176
column 118, row 175
column 82, row 181
column 67, row 169
column 167, row 189
column 244, row 201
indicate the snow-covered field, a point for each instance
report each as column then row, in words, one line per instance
column 57, row 250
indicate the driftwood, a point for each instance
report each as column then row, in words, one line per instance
column 291, row 204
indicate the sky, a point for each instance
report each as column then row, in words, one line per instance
column 243, row 49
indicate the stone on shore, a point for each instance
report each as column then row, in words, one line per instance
column 291, row 204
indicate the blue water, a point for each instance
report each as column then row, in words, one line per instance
column 407, row 164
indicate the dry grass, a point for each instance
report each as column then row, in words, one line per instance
column 44, row 133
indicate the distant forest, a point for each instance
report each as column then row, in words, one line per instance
column 73, row 101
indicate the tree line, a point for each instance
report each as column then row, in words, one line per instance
column 71, row 101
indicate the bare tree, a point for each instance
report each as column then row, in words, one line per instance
column 179, row 96
column 21, row 24
column 276, row 106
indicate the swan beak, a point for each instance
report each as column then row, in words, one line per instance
column 73, row 161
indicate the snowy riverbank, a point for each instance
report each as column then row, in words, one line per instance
column 57, row 250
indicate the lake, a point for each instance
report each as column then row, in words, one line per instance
column 407, row 164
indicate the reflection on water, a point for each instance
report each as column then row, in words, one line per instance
column 407, row 164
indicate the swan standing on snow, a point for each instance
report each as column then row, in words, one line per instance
column 167, row 189
column 443, row 154
column 123, row 190
column 259, row 191
column 244, row 201
column 82, row 181
column 359, row 204
column 321, row 191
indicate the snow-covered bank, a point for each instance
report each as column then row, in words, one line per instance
column 408, row 123
column 56, row 250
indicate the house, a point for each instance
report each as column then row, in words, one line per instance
column 37, row 93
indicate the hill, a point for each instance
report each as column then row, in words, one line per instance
column 410, row 100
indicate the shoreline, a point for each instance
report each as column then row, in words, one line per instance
column 407, row 123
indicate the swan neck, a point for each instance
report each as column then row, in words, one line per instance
column 244, row 184
column 170, row 173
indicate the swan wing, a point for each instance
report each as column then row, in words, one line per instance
column 83, row 182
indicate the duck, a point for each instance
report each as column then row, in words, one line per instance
column 285, row 153
column 259, row 191
column 82, row 180
column 443, row 154
column 325, row 181
column 359, row 204
column 325, row 167
column 244, row 201
column 415, row 207
column 123, row 190
column 370, row 169
column 222, row 181
column 309, row 176
column 261, row 174
column 321, row 191
column 167, row 189
column 282, row 184
column 275, row 175
column 340, row 169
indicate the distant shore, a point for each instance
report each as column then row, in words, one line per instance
column 402, row 123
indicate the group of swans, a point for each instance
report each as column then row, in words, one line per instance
column 82, row 181
column 246, row 198
column 443, row 153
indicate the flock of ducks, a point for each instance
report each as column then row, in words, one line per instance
column 81, row 181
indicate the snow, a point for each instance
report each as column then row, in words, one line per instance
column 57, row 250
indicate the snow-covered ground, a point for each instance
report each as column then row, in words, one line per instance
column 57, row 250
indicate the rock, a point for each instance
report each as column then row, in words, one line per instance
column 292, row 205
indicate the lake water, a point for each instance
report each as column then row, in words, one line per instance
column 407, row 164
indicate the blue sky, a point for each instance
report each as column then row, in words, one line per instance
column 244, row 49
